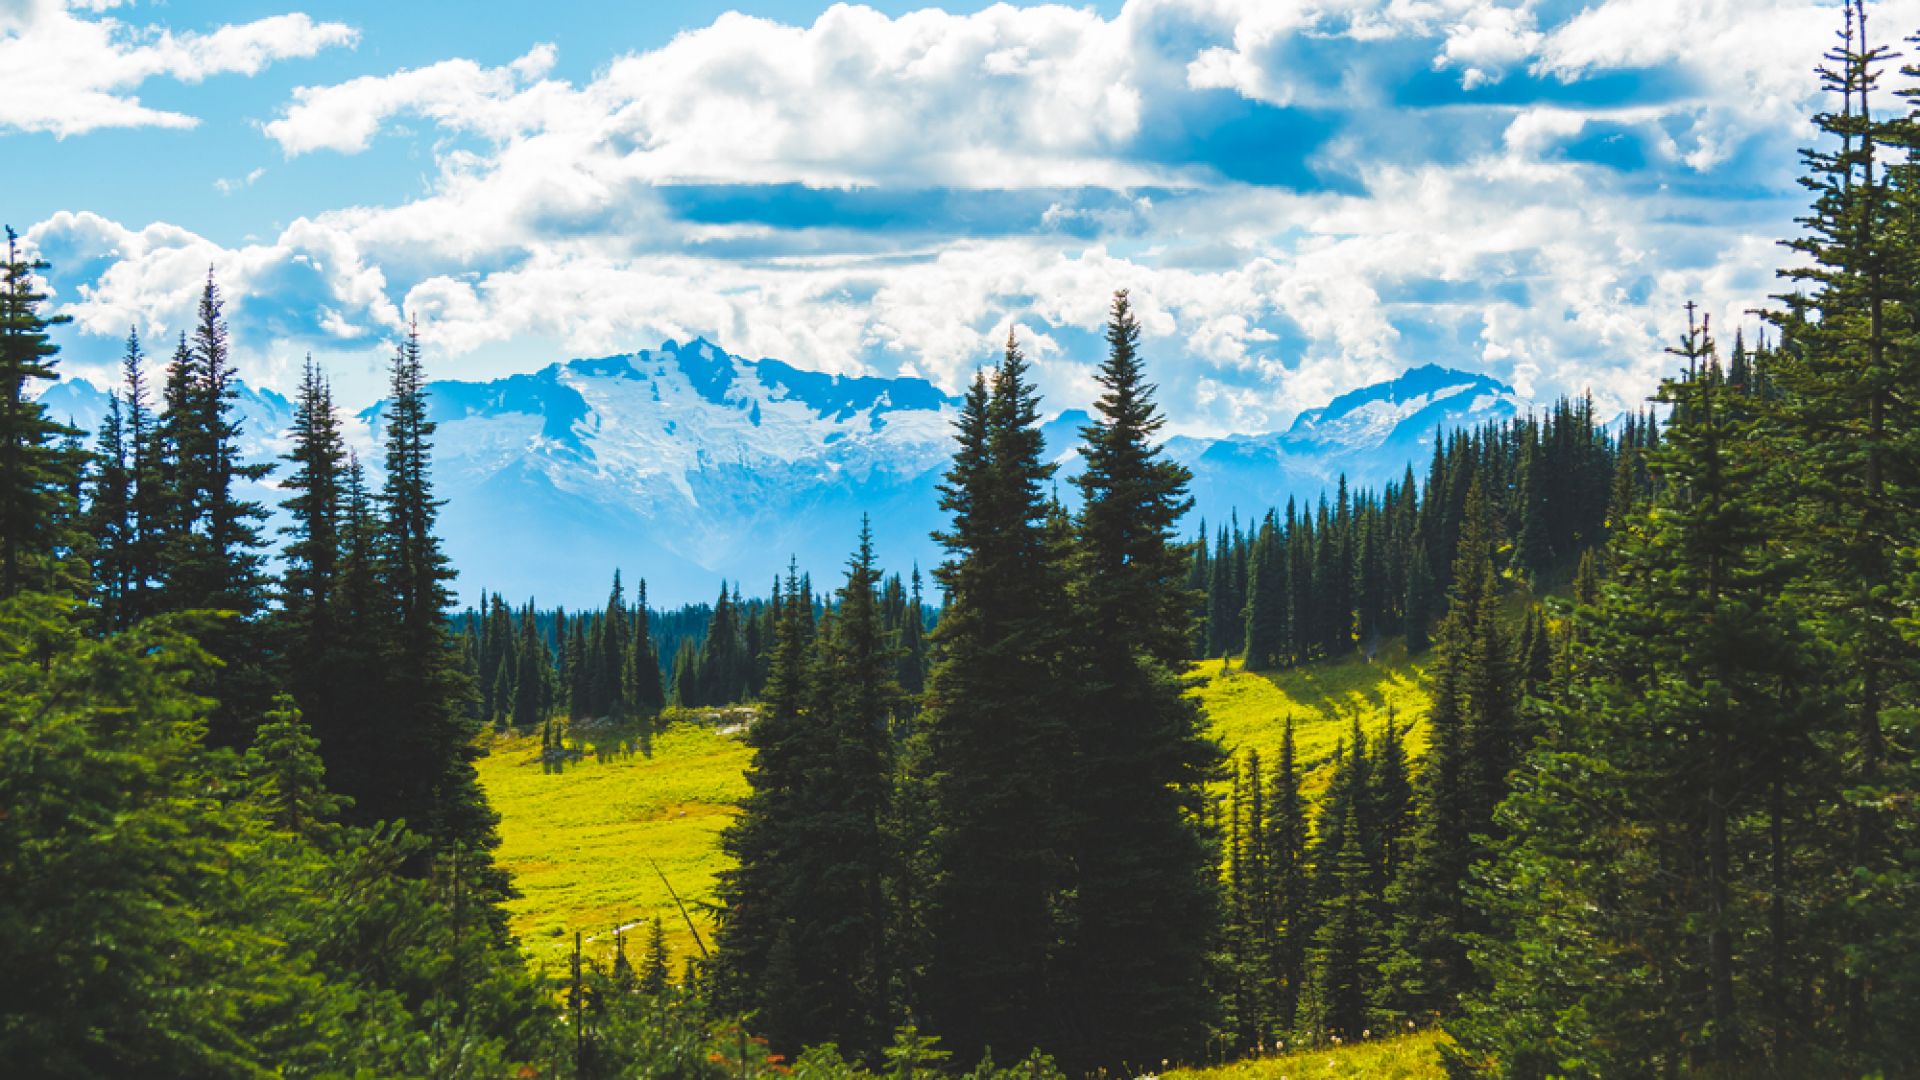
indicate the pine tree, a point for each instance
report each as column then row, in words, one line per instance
column 996, row 723
column 1265, row 631
column 1287, row 859
column 649, row 694
column 307, row 623
column 1464, row 778
column 1636, row 921
column 1142, row 848
column 1345, row 956
column 214, row 560
column 147, row 488
column 530, row 674
column 804, row 934
column 654, row 963
column 428, row 752
column 109, row 518
column 1845, row 420
column 35, row 475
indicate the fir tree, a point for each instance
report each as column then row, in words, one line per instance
column 428, row 757
column 1142, row 848
column 996, row 731
column 1471, row 725
column 35, row 475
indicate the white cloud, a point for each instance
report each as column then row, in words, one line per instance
column 68, row 73
column 551, row 227
column 1007, row 97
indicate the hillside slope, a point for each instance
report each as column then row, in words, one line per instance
column 1248, row 710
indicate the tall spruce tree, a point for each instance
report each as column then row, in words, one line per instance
column 996, row 723
column 36, row 475
column 428, row 748
column 308, row 622
column 214, row 556
column 1470, row 722
column 1638, row 925
column 757, row 929
column 1142, row 848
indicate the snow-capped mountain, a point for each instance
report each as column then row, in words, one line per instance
column 683, row 465
column 1371, row 435
column 686, row 465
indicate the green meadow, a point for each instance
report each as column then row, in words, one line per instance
column 1248, row 710
column 582, row 842
column 1408, row 1057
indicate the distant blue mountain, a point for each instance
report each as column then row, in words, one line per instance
column 687, row 465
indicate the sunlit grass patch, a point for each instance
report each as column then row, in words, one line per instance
column 578, row 841
column 1247, row 710
column 1409, row 1057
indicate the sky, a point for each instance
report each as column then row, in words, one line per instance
column 1302, row 196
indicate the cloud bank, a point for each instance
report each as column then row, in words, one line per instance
column 1303, row 195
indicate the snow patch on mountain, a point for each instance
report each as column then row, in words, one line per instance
column 686, row 464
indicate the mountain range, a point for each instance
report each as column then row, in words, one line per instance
column 686, row 465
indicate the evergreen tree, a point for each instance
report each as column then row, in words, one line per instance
column 1471, row 721
column 1142, row 848
column 214, row 560
column 1293, row 897
column 308, row 620
column 1265, row 632
column 1345, row 955
column 1638, row 925
column 428, row 752
column 996, row 723
column 35, row 474
column 109, row 518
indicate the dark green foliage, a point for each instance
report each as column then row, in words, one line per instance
column 36, row 474
column 170, row 913
column 803, row 934
column 1473, row 729
column 1651, row 803
column 1141, row 847
column 996, row 733
column 213, row 553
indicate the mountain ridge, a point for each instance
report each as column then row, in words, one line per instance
column 687, row 465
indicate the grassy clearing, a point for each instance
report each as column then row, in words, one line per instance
column 1411, row 1057
column 577, row 841
column 1248, row 709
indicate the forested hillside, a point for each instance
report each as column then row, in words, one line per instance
column 1587, row 751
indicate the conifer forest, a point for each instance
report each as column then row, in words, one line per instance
column 1599, row 753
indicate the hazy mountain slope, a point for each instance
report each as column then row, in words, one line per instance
column 685, row 465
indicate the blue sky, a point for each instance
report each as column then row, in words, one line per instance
column 1303, row 195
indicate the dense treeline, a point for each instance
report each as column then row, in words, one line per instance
column 1320, row 582
column 627, row 662
column 243, row 835
column 1723, row 790
column 1666, row 823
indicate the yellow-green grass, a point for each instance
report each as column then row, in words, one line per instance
column 1409, row 1057
column 578, row 841
column 1247, row 710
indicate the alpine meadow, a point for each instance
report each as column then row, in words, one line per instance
column 1204, row 539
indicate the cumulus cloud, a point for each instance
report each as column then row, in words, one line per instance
column 71, row 69
column 1501, row 185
